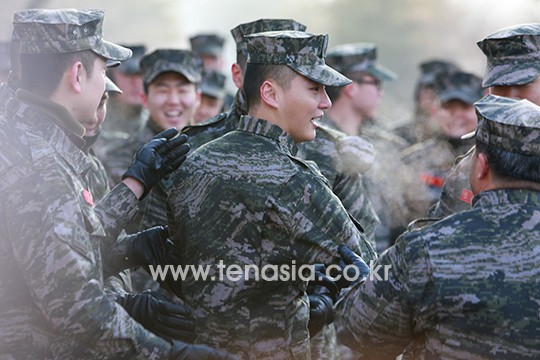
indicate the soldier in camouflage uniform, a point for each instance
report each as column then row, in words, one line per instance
column 126, row 113
column 465, row 287
column 423, row 127
column 512, row 70
column 354, row 109
column 5, row 60
column 212, row 96
column 52, row 271
column 427, row 164
column 246, row 199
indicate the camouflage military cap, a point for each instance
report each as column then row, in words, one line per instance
column 261, row 25
column 5, row 56
column 458, row 85
column 213, row 84
column 207, row 44
column 110, row 86
column 513, row 55
column 359, row 57
column 183, row 62
column 429, row 70
column 133, row 64
column 303, row 52
column 510, row 124
column 41, row 31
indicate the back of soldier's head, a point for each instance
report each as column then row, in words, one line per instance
column 508, row 132
column 513, row 55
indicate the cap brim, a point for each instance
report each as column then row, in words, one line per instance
column 510, row 74
column 112, row 51
column 381, row 73
column 322, row 74
column 191, row 77
column 458, row 95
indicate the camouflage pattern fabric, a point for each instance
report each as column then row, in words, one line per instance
column 426, row 166
column 42, row 31
column 385, row 190
column 207, row 44
column 258, row 207
column 465, row 287
column 345, row 179
column 259, row 26
column 456, row 194
column 213, row 84
column 345, row 175
column 302, row 52
column 358, row 57
column 512, row 55
column 52, row 276
column 163, row 60
column 458, row 85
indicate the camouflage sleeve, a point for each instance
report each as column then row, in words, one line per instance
column 52, row 232
column 377, row 318
column 116, row 210
column 351, row 191
column 317, row 222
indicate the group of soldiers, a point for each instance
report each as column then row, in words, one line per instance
column 116, row 160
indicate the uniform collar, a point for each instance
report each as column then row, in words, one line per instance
column 506, row 197
column 51, row 122
column 267, row 129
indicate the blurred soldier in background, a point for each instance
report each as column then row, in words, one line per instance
column 465, row 287
column 53, row 301
column 354, row 111
column 426, row 164
column 171, row 96
column 512, row 70
column 424, row 126
column 265, row 206
column 212, row 96
column 125, row 114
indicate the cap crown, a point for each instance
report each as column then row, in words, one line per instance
column 262, row 25
column 164, row 60
column 458, row 85
column 513, row 55
column 207, row 44
column 510, row 124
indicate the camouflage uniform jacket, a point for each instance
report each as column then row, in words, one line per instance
column 456, row 194
column 426, row 167
column 51, row 278
column 245, row 199
column 345, row 181
column 465, row 287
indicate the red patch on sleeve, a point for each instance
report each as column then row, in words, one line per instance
column 431, row 180
column 466, row 196
column 88, row 197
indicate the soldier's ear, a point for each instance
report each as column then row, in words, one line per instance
column 237, row 75
column 75, row 75
column 269, row 94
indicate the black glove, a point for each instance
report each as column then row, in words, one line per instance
column 160, row 316
column 163, row 154
column 359, row 270
column 322, row 293
column 149, row 247
column 183, row 351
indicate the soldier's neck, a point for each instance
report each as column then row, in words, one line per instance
column 348, row 120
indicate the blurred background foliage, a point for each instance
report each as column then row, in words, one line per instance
column 407, row 32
